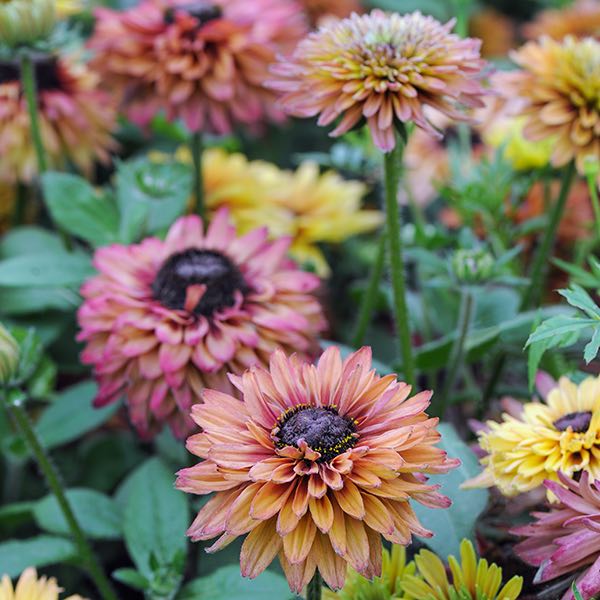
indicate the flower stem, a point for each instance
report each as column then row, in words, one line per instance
column 55, row 484
column 542, row 257
column 196, row 148
column 20, row 204
column 393, row 166
column 367, row 303
column 595, row 202
column 457, row 352
column 314, row 587
column 30, row 91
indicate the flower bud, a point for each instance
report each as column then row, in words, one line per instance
column 23, row 22
column 591, row 167
column 472, row 266
column 9, row 356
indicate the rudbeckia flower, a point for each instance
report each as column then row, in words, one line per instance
column 383, row 69
column 314, row 464
column 164, row 319
column 29, row 587
column 561, row 434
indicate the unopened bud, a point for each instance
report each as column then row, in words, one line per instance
column 23, row 22
column 472, row 266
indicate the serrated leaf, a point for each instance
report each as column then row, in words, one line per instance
column 576, row 296
column 97, row 514
column 591, row 349
column 17, row 555
column 558, row 327
column 453, row 524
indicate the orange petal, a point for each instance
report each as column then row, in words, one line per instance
column 321, row 510
column 269, row 500
column 349, row 498
column 358, row 545
column 298, row 543
column 259, row 548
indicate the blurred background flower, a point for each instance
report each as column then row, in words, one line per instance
column 30, row 587
column 580, row 19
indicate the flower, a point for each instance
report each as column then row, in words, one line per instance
column 496, row 31
column 315, row 464
column 10, row 354
column 565, row 539
column 387, row 587
column 318, row 10
column 76, row 118
column 23, row 22
column 67, row 8
column 383, row 68
column 580, row 19
column 202, row 62
column 164, row 320
column 300, row 204
column 472, row 579
column 29, row 587
column 562, row 434
column 560, row 85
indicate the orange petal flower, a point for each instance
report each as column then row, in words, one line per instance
column 581, row 19
column 202, row 62
column 314, row 463
column 76, row 118
column 382, row 68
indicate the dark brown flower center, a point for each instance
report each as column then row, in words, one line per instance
column 203, row 12
column 577, row 421
column 323, row 429
column 192, row 267
column 46, row 71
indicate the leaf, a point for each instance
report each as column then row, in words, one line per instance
column 25, row 300
column 77, row 208
column 559, row 326
column 155, row 518
column 29, row 240
column 591, row 350
column 46, row 270
column 17, row 555
column 72, row 414
column 576, row 296
column 453, row 524
column 227, row 584
column 97, row 514
column 131, row 578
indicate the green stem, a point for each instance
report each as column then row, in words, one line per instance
column 20, row 206
column 393, row 166
column 53, row 479
column 462, row 8
column 369, row 298
column 30, row 91
column 542, row 257
column 595, row 202
column 196, row 148
column 455, row 362
column 314, row 587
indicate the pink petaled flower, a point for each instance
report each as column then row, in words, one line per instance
column 315, row 463
column 201, row 61
column 164, row 320
column 566, row 539
column 383, row 68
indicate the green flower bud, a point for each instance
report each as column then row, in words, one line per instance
column 23, row 22
column 472, row 266
column 9, row 356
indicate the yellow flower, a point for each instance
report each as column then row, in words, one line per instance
column 310, row 207
column 472, row 579
column 562, row 434
column 29, row 587
column 388, row 586
column 522, row 153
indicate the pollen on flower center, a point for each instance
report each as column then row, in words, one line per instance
column 577, row 421
column 202, row 11
column 192, row 267
column 322, row 428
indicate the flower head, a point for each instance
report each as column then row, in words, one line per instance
column 382, row 68
column 388, row 586
column 76, row 118
column 23, row 22
column 560, row 85
column 164, row 320
column 318, row 10
column 580, row 19
column 566, row 538
column 203, row 62
column 561, row 434
column 29, row 587
column 315, row 463
column 472, row 578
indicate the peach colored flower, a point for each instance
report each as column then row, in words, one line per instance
column 581, row 19
column 164, row 319
column 382, row 68
column 202, row 62
column 315, row 463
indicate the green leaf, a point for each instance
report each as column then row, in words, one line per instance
column 132, row 578
column 576, row 296
column 453, row 524
column 591, row 350
column 77, row 208
column 556, row 327
column 97, row 514
column 29, row 240
column 46, row 270
column 17, row 555
column 155, row 518
column 227, row 584
column 25, row 300
column 72, row 414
